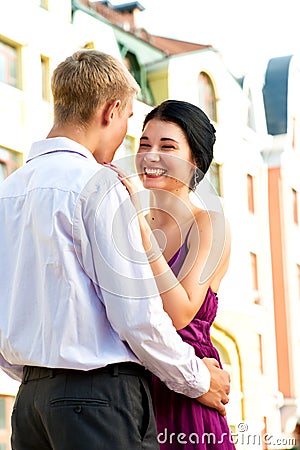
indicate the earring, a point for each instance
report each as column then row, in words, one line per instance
column 198, row 175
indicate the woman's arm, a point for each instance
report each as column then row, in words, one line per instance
column 205, row 265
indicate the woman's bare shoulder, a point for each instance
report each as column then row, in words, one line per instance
column 211, row 232
column 211, row 221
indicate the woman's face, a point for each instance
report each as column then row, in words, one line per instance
column 164, row 159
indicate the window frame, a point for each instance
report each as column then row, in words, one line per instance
column 138, row 71
column 9, row 160
column 215, row 173
column 255, row 277
column 45, row 78
column 250, row 193
column 5, row 46
column 295, row 206
column 207, row 95
column 44, row 4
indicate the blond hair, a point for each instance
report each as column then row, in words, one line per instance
column 86, row 80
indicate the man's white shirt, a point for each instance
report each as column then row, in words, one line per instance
column 76, row 290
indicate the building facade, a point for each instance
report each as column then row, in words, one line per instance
column 281, row 100
column 254, row 176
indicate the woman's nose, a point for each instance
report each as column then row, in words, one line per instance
column 152, row 156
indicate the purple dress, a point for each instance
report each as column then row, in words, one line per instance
column 182, row 422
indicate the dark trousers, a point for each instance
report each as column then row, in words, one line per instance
column 102, row 409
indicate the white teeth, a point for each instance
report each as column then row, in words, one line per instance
column 155, row 172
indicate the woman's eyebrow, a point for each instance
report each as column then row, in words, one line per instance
column 145, row 138
column 169, row 139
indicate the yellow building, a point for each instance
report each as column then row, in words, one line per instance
column 255, row 330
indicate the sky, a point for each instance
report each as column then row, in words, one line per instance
column 246, row 32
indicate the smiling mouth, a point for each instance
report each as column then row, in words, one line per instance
column 153, row 172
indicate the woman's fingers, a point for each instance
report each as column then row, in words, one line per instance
column 114, row 168
column 125, row 179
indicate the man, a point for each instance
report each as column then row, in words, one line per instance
column 80, row 313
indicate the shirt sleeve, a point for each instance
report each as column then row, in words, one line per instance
column 108, row 244
column 14, row 371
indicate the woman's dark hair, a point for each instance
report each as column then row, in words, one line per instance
column 199, row 131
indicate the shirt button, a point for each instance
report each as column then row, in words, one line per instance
column 77, row 409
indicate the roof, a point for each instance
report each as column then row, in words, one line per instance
column 129, row 6
column 114, row 14
column 174, row 46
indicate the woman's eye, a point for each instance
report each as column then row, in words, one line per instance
column 168, row 147
column 144, row 146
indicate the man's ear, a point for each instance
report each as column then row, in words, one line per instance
column 110, row 110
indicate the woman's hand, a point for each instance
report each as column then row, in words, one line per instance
column 131, row 185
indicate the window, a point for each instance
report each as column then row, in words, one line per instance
column 215, row 177
column 9, row 161
column 295, row 206
column 3, row 171
column 207, row 96
column 298, row 278
column 125, row 155
column 230, row 355
column 45, row 78
column 260, row 343
column 264, row 434
column 89, row 45
column 44, row 4
column 253, row 258
column 8, row 64
column 295, row 135
column 254, row 279
column 251, row 113
column 250, row 189
column 138, row 71
column 131, row 62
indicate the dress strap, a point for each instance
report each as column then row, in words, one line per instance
column 187, row 234
column 182, row 249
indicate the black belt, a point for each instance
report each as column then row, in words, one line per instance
column 31, row 373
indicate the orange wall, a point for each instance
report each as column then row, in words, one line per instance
column 280, row 298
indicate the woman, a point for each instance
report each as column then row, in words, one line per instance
column 189, row 257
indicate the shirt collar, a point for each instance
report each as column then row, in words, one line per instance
column 62, row 144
